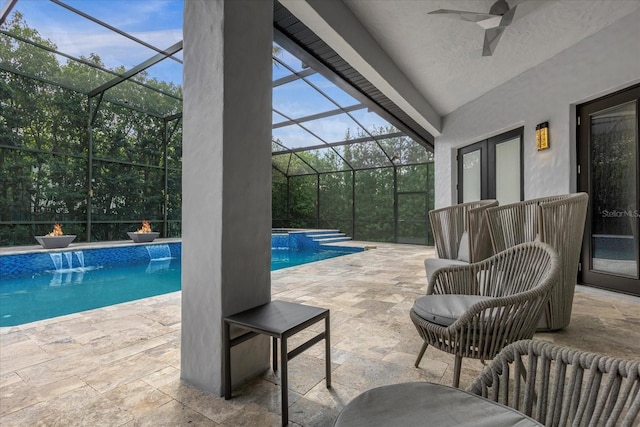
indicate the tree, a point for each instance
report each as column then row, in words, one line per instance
column 44, row 145
column 371, row 198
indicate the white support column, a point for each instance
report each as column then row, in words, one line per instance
column 226, row 183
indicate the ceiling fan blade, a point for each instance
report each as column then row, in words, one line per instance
column 491, row 39
column 507, row 18
column 463, row 15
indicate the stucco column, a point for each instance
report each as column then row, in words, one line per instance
column 226, row 182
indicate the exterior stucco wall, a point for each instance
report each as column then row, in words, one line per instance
column 226, row 182
column 603, row 63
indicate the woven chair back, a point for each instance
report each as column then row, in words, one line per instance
column 519, row 280
column 556, row 220
column 448, row 225
column 559, row 386
column 516, row 223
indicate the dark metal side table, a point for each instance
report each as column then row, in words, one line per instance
column 280, row 320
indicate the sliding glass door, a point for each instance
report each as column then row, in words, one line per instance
column 610, row 173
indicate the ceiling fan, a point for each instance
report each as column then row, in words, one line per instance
column 494, row 23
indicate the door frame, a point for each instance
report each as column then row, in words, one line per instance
column 484, row 168
column 487, row 149
column 587, row 277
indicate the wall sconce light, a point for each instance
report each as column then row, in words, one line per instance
column 542, row 136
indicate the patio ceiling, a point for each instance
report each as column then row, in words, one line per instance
column 431, row 65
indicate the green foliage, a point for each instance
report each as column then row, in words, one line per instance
column 45, row 160
column 302, row 201
column 374, row 205
column 279, row 204
column 336, row 197
column 332, row 199
column 613, row 155
column 44, row 148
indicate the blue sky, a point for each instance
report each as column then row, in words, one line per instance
column 157, row 22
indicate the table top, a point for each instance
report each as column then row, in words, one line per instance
column 427, row 404
column 278, row 317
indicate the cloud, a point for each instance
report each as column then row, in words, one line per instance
column 114, row 49
column 157, row 22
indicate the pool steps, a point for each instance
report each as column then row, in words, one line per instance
column 329, row 237
column 313, row 238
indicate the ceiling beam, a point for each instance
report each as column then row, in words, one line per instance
column 138, row 69
column 316, row 116
column 6, row 9
column 300, row 51
column 337, row 26
column 110, row 27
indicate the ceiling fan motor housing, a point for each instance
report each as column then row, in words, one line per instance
column 499, row 8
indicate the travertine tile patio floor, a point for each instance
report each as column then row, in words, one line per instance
column 120, row 365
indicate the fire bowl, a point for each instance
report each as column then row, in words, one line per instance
column 55, row 242
column 143, row 237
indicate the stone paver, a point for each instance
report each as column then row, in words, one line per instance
column 120, row 365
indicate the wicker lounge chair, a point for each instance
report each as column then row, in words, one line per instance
column 553, row 385
column 461, row 235
column 476, row 309
column 556, row 220
column 563, row 386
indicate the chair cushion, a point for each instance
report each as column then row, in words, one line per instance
column 463, row 248
column 433, row 264
column 427, row 404
column 443, row 310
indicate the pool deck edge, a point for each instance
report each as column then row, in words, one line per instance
column 16, row 250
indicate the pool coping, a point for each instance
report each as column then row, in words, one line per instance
column 18, row 250
column 28, row 260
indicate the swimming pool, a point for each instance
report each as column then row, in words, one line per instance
column 41, row 285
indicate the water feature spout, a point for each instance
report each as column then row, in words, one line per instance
column 80, row 256
column 56, row 258
column 69, row 257
column 158, row 252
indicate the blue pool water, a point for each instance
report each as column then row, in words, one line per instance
column 285, row 257
column 68, row 282
column 51, row 294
